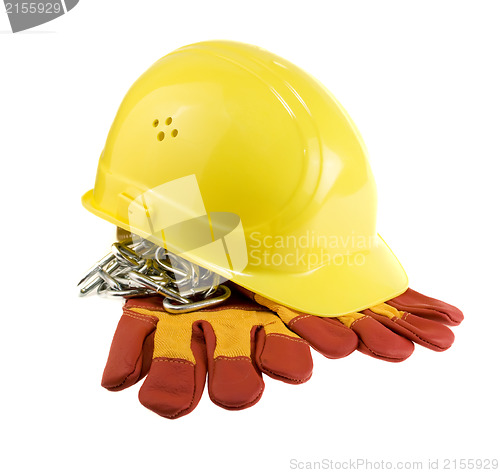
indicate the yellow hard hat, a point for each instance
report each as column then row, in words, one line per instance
column 229, row 137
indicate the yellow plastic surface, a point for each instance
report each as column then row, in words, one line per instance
column 267, row 142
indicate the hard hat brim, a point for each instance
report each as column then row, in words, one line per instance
column 333, row 290
column 374, row 277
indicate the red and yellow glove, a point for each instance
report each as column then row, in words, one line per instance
column 235, row 343
column 238, row 341
column 386, row 331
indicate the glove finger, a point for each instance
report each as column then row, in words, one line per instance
column 177, row 376
column 131, row 351
column 234, row 381
column 174, row 386
column 378, row 341
column 326, row 335
column 427, row 307
column 428, row 333
column 281, row 354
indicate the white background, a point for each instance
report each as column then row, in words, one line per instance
column 421, row 81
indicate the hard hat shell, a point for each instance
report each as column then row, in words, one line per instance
column 264, row 141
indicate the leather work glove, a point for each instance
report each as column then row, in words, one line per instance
column 386, row 331
column 234, row 342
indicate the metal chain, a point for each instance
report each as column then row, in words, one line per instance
column 137, row 267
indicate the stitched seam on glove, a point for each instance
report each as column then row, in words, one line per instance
column 357, row 320
column 420, row 338
column 287, row 337
column 296, row 319
column 170, row 360
column 123, row 382
column 278, row 375
column 144, row 318
column 232, row 358
column 381, row 355
column 250, row 308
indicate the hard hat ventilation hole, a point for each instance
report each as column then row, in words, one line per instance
column 161, row 134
